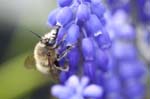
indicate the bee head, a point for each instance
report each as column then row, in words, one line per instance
column 47, row 41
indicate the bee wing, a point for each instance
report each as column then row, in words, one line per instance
column 29, row 62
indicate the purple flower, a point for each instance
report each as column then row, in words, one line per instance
column 88, row 49
column 63, row 3
column 52, row 17
column 77, row 89
column 64, row 16
column 93, row 25
column 83, row 13
column 98, row 9
column 73, row 34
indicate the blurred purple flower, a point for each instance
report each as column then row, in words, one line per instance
column 77, row 89
column 126, row 69
column 143, row 8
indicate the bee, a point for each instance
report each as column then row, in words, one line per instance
column 46, row 57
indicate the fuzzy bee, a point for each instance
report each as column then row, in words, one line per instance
column 46, row 57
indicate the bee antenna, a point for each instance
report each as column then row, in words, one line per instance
column 35, row 34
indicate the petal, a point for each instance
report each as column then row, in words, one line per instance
column 52, row 17
column 73, row 81
column 61, row 91
column 84, row 81
column 93, row 25
column 83, row 12
column 63, row 3
column 88, row 49
column 64, row 16
column 73, row 34
column 93, row 91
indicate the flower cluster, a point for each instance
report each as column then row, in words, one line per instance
column 127, row 71
column 82, row 22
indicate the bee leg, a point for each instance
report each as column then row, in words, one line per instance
column 61, row 42
column 65, row 68
column 64, row 53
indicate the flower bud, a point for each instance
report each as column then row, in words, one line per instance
column 88, row 49
column 83, row 13
column 93, row 25
column 73, row 34
column 52, row 17
column 63, row 3
column 103, row 39
column 98, row 10
column 64, row 16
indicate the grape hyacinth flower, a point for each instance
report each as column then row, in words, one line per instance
column 82, row 24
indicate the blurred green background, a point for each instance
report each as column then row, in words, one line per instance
column 17, row 18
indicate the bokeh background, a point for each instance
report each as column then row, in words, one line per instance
column 17, row 18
